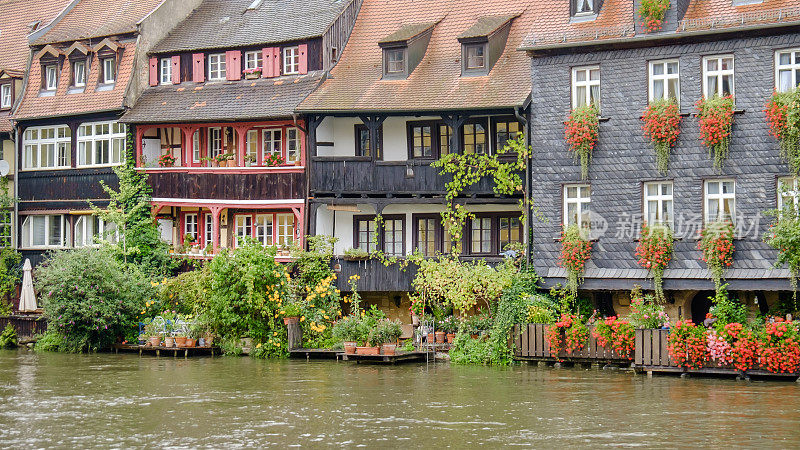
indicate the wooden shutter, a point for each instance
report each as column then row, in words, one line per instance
column 233, row 65
column 266, row 64
column 303, row 50
column 198, row 67
column 153, row 71
column 176, row 69
column 276, row 61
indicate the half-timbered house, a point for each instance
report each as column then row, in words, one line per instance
column 216, row 129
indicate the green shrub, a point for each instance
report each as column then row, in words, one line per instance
column 90, row 298
column 727, row 310
column 50, row 341
column 184, row 294
column 10, row 272
column 347, row 329
column 466, row 350
column 8, row 339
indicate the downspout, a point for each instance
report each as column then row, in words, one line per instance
column 527, row 194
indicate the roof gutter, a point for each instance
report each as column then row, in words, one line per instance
column 405, row 112
column 650, row 38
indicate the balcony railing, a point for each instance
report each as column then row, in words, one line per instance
column 227, row 185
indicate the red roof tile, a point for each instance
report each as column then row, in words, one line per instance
column 15, row 25
column 436, row 84
column 723, row 14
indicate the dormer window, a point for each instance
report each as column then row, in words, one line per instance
column 165, row 71
column 395, row 60
column 583, row 7
column 5, row 95
column 253, row 60
column 51, row 77
column 483, row 43
column 79, row 73
column 109, row 70
column 474, row 56
column 216, row 67
column 291, row 60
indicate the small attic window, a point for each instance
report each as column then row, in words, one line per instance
column 474, row 56
column 394, row 61
column 583, row 7
column 404, row 49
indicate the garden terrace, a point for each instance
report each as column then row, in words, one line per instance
column 531, row 344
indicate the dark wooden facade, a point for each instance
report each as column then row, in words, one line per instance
column 375, row 277
column 228, row 186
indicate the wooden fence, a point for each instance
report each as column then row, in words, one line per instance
column 27, row 326
column 531, row 344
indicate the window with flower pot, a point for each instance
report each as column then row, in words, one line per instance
column 787, row 69
column 253, row 60
column 718, row 76
column 5, row 95
column 720, row 201
column 665, row 80
column 109, row 66
column 577, row 205
column 273, row 143
column 79, row 73
column 788, row 192
column 267, row 228
column 291, row 60
column 44, row 231
column 90, row 229
column 366, row 233
column 215, row 136
column 47, row 147
column 474, row 137
column 165, row 71
column 658, row 203
column 101, row 144
column 585, row 86
column 216, row 67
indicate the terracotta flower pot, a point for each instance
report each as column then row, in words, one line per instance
column 388, row 349
column 450, row 338
column 154, row 341
column 169, row 342
column 368, row 351
column 180, row 341
column 288, row 320
column 190, row 342
column 209, row 341
column 350, row 348
column 474, row 336
column 440, row 336
column 430, row 338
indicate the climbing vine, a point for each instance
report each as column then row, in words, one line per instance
column 581, row 133
column 662, row 126
column 784, row 236
column 783, row 115
column 716, row 118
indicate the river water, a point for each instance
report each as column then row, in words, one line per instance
column 78, row 401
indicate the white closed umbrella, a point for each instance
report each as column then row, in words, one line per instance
column 27, row 300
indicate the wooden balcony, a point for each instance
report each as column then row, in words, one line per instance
column 358, row 176
column 375, row 277
column 228, row 184
column 66, row 186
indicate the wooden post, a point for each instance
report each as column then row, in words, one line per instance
column 295, row 335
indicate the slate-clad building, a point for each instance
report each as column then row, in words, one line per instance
column 597, row 52
column 216, row 129
column 417, row 80
column 69, row 138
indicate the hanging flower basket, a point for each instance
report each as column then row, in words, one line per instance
column 783, row 115
column 716, row 118
column 575, row 251
column 652, row 13
column 654, row 252
column 662, row 126
column 716, row 243
column 581, row 133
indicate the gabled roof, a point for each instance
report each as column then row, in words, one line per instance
column 77, row 47
column 485, row 26
column 15, row 24
column 48, row 50
column 222, row 102
column 436, row 84
column 224, row 24
column 97, row 19
column 408, row 32
column 108, row 43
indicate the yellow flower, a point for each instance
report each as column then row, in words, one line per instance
column 275, row 333
column 302, row 318
column 326, row 317
column 259, row 345
column 312, row 305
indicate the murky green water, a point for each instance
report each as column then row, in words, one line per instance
column 54, row 400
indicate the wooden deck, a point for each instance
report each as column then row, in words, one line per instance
column 168, row 351
column 315, row 353
column 399, row 357
column 531, row 345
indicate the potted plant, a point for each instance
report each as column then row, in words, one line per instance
column 292, row 312
column 152, row 334
column 210, row 162
column 273, row 159
column 368, row 338
column 374, row 341
column 346, row 331
column 180, row 341
column 355, row 254
column 252, row 74
column 250, row 160
column 449, row 326
column 223, row 159
column 389, row 331
column 166, row 160
column 417, row 309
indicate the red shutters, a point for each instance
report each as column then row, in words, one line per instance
column 176, row 69
column 276, row 62
column 198, row 67
column 153, row 71
column 272, row 62
column 303, row 49
column 233, row 65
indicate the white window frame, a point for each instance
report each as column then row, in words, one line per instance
column 92, row 137
column 272, row 137
column 588, row 83
column 165, row 71
column 719, row 198
column 27, row 223
column 580, row 203
column 284, row 229
column 101, row 232
column 291, row 60
column 788, row 189
column 196, row 158
column 584, row 12
column 215, row 136
column 191, row 226
column 293, row 145
column 244, row 222
column 660, row 199
column 793, row 67
column 665, row 77
column 719, row 74
column 265, row 229
column 51, row 77
column 109, row 70
column 216, row 67
column 79, row 76
column 5, row 95
column 253, row 60
column 208, row 225
column 61, row 145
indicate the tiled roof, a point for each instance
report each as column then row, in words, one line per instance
column 407, row 32
column 98, row 18
column 218, row 24
column 436, row 83
column 485, row 26
column 15, row 25
column 222, row 101
column 553, row 26
column 90, row 100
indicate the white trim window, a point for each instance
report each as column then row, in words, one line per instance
column 51, row 77
column 720, row 201
column 47, row 148
column 216, row 67
column 665, row 80
column 101, row 144
column 196, row 147
column 788, row 192
column 658, row 203
column 208, row 224
column 577, row 205
column 273, row 142
column 291, row 60
column 585, row 86
column 79, row 73
column 292, row 145
column 251, row 145
column 285, row 229
column 191, row 226
column 244, row 227
column 253, row 60
column 214, row 142
column 109, row 70
column 787, row 69
column 583, row 7
column 718, row 76
column 165, row 71
column 44, row 231
column 5, row 95
column 265, row 229
column 90, row 230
